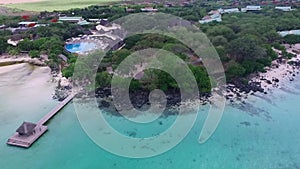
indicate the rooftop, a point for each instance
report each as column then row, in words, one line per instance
column 26, row 128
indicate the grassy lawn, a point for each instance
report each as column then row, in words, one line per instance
column 50, row 5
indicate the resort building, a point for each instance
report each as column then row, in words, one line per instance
column 149, row 9
column 284, row 8
column 3, row 26
column 251, row 8
column 82, row 23
column 70, row 19
column 99, row 21
column 15, row 39
column 27, row 24
column 94, row 20
column 108, row 28
column 129, row 10
column 219, row 11
column 212, row 18
column 232, row 10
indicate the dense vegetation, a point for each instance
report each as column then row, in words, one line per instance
column 48, row 41
column 244, row 42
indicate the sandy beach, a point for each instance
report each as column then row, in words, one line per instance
column 17, row 1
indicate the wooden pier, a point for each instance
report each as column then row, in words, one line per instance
column 28, row 133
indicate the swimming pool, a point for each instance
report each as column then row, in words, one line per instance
column 80, row 47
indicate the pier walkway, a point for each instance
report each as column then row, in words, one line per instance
column 28, row 133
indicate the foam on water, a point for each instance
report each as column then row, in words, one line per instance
column 262, row 134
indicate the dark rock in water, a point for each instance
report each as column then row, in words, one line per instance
column 247, row 88
column 160, row 123
column 276, row 80
column 246, row 123
column 61, row 93
column 105, row 103
column 265, row 92
column 61, row 99
column 132, row 134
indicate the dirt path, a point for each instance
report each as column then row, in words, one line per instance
column 16, row 1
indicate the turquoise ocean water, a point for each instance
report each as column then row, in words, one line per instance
column 262, row 134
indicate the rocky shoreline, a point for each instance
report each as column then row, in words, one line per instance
column 140, row 100
column 279, row 73
column 236, row 93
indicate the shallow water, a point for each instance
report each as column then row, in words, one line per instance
column 262, row 134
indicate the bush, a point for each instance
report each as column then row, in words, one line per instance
column 278, row 46
column 34, row 54
column 252, row 66
column 3, row 45
column 292, row 39
column 234, row 71
column 68, row 71
column 25, row 45
column 13, row 51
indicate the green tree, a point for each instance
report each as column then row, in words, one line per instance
column 222, row 30
column 292, row 39
column 34, row 54
column 3, row 45
column 103, row 79
column 25, row 45
column 235, row 70
column 245, row 48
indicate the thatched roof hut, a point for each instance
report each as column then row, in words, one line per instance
column 26, row 128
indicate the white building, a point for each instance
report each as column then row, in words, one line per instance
column 232, row 10
column 212, row 12
column 284, row 8
column 251, row 8
column 212, row 18
column 27, row 24
column 70, row 19
column 149, row 9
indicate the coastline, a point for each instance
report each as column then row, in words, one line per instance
column 281, row 71
column 63, row 86
column 6, row 59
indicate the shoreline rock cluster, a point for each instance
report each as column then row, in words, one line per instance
column 63, row 88
column 279, row 73
column 140, row 100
